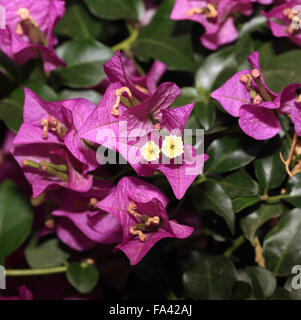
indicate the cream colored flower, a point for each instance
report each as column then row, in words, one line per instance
column 150, row 151
column 172, row 146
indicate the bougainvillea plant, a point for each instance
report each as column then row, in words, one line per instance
column 150, row 144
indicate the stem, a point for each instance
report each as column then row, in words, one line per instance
column 127, row 43
column 290, row 156
column 235, row 245
column 276, row 198
column 34, row 272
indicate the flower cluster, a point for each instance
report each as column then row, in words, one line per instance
column 29, row 30
column 218, row 18
column 245, row 95
column 57, row 148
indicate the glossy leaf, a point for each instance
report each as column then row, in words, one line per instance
column 16, row 217
column 240, row 184
column 241, row 203
column 91, row 95
column 213, row 197
column 282, row 245
column 228, row 153
column 82, row 277
column 78, row 24
column 85, row 59
column 263, row 282
column 114, row 9
column 211, row 278
column 287, row 70
column 45, row 253
column 157, row 40
column 252, row 222
column 11, row 113
column 269, row 169
column 293, row 195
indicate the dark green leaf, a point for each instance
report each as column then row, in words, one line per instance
column 241, row 291
column 45, row 253
column 282, row 245
column 114, row 9
column 11, row 113
column 269, row 169
column 41, row 89
column 252, row 222
column 205, row 113
column 78, row 24
column 240, row 184
column 91, row 95
column 263, row 282
column 212, row 67
column 16, row 218
column 211, row 278
column 188, row 95
column 294, row 191
column 213, row 197
column 82, row 277
column 282, row 294
column 242, row 203
column 282, row 70
column 228, row 153
column 85, row 59
column 157, row 40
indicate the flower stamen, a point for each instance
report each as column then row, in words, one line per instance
column 54, row 125
column 147, row 224
column 210, row 11
column 118, row 94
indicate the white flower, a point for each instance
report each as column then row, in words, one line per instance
column 172, row 146
column 150, row 151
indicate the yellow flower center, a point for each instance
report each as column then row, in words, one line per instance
column 172, row 146
column 150, row 151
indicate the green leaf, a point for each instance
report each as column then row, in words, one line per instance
column 114, row 9
column 16, row 218
column 252, row 222
column 282, row 245
column 240, row 184
column 11, row 113
column 269, row 169
column 282, row 70
column 228, row 153
column 82, row 277
column 294, row 191
column 157, row 41
column 295, row 294
column 78, row 24
column 213, row 66
column 45, row 253
column 213, row 197
column 205, row 113
column 221, row 65
column 241, row 291
column 41, row 89
column 204, row 108
column 188, row 95
column 242, row 203
column 282, row 294
column 91, row 95
column 263, row 282
column 85, row 59
column 210, row 278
